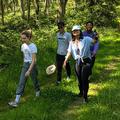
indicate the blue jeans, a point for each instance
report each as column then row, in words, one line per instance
column 23, row 79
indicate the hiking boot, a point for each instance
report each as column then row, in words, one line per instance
column 13, row 104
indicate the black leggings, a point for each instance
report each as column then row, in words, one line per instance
column 59, row 62
column 83, row 71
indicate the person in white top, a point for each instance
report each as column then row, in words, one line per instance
column 29, row 68
column 79, row 47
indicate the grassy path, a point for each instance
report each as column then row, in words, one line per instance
column 62, row 103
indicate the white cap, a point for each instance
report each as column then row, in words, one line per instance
column 50, row 69
column 76, row 27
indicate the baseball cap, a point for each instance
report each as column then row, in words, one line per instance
column 76, row 27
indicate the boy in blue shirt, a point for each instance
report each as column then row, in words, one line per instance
column 63, row 39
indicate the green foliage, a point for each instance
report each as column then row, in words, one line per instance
column 62, row 102
column 59, row 103
column 102, row 12
column 9, row 45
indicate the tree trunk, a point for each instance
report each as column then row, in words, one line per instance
column 14, row 6
column 47, row 5
column 90, row 4
column 2, row 10
column 62, row 8
column 22, row 8
column 28, row 7
column 37, row 8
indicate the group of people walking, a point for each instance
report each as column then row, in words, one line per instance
column 79, row 48
column 82, row 46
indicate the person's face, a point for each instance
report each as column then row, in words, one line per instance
column 61, row 28
column 24, row 38
column 76, row 33
column 89, row 26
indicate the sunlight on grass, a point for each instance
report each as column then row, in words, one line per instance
column 94, row 89
column 109, row 34
column 61, row 102
column 115, row 74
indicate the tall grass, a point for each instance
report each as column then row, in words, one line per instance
column 61, row 102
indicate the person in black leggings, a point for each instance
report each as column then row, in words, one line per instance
column 63, row 39
column 79, row 48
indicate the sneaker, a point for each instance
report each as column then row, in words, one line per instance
column 85, row 100
column 13, row 104
column 37, row 94
column 57, row 83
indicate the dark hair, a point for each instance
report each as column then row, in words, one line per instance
column 60, row 23
column 81, row 36
column 28, row 33
column 89, row 22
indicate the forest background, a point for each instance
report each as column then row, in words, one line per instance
column 58, row 103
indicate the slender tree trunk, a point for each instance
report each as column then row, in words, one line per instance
column 90, row 4
column 47, row 5
column 62, row 8
column 22, row 8
column 2, row 10
column 28, row 7
column 37, row 8
column 14, row 6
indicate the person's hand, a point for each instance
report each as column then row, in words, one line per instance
column 27, row 73
column 93, row 54
column 64, row 64
column 96, row 36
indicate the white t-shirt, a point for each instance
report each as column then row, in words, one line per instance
column 83, row 46
column 28, row 50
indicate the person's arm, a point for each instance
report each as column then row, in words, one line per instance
column 31, row 65
column 95, row 39
column 66, row 59
column 70, row 37
column 68, row 54
column 96, row 47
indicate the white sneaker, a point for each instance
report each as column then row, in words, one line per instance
column 13, row 104
column 37, row 94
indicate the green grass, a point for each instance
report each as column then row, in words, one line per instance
column 62, row 103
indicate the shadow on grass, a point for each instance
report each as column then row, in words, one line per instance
column 57, row 103
column 104, row 101
column 52, row 102
column 106, row 57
